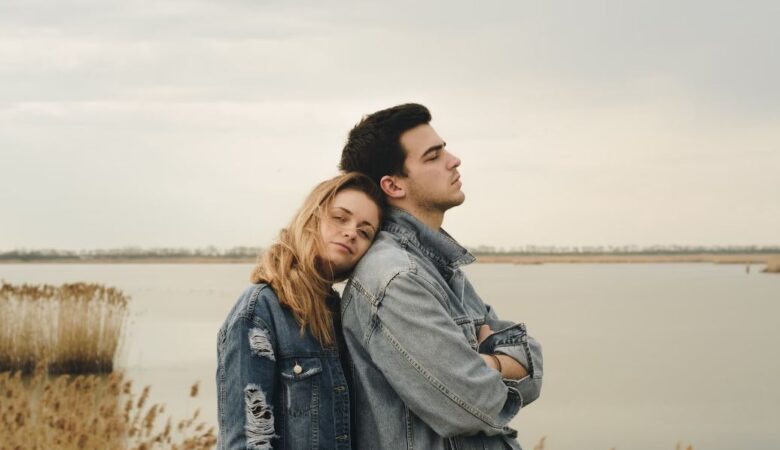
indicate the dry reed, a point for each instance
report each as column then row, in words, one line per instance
column 540, row 445
column 89, row 412
column 73, row 328
column 772, row 266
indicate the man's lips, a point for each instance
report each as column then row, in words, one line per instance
column 345, row 247
column 456, row 180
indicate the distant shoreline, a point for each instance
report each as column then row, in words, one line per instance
column 142, row 260
column 711, row 258
column 606, row 258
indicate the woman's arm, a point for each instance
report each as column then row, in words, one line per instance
column 245, row 385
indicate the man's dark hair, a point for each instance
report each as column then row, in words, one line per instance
column 374, row 144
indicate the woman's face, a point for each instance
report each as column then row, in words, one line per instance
column 348, row 228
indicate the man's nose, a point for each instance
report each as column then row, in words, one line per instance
column 454, row 161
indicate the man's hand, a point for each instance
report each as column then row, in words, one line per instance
column 484, row 333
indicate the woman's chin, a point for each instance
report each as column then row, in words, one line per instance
column 339, row 270
column 341, row 263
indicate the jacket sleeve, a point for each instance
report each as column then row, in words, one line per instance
column 427, row 360
column 245, row 385
column 513, row 340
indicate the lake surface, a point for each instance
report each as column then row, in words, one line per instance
column 637, row 356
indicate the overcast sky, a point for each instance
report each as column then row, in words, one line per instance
column 193, row 123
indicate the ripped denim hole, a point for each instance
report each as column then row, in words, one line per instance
column 259, row 419
column 260, row 344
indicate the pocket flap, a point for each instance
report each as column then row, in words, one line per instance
column 300, row 368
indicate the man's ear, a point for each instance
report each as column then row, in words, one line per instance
column 391, row 187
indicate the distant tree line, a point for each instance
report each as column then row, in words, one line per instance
column 623, row 250
column 132, row 253
column 245, row 252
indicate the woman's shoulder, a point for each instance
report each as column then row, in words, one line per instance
column 255, row 305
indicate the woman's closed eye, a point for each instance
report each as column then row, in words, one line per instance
column 344, row 219
column 366, row 233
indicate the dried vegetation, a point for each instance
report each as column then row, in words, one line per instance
column 73, row 328
column 772, row 266
column 90, row 412
column 541, row 445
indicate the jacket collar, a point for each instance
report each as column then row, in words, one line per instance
column 439, row 246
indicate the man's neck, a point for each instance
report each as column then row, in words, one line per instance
column 433, row 219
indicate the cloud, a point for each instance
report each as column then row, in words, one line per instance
column 195, row 122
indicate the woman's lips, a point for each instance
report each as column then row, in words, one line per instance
column 343, row 247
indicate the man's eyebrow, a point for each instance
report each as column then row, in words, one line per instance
column 434, row 148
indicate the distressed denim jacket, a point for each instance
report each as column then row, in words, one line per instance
column 410, row 320
column 276, row 388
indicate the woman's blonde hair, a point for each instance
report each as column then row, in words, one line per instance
column 293, row 267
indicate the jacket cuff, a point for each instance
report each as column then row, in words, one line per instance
column 508, row 336
column 511, row 341
column 526, row 388
column 514, row 401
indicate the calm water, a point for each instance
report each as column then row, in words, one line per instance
column 636, row 356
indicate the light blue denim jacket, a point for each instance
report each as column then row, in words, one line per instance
column 410, row 319
column 277, row 389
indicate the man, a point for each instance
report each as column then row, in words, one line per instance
column 432, row 366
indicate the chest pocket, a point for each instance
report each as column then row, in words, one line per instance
column 301, row 378
column 469, row 330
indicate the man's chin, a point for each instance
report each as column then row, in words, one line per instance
column 458, row 200
column 452, row 203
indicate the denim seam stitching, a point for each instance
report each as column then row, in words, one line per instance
column 409, row 429
column 443, row 298
column 222, row 375
column 248, row 313
column 356, row 285
column 527, row 350
column 346, row 300
column 435, row 382
column 315, row 413
column 374, row 319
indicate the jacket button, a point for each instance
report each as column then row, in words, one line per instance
column 297, row 369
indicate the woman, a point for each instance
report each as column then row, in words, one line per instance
column 280, row 382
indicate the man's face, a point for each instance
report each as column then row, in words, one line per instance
column 432, row 180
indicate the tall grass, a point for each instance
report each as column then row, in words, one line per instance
column 73, row 328
column 541, row 445
column 772, row 266
column 90, row 412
